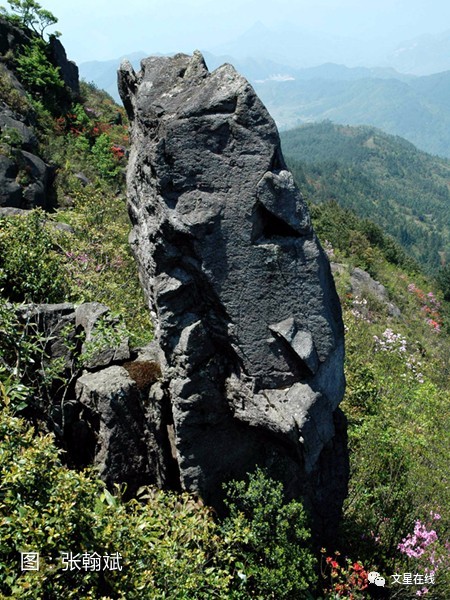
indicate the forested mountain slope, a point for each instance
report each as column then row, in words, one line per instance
column 381, row 177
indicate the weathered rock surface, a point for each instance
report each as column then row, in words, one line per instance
column 101, row 415
column 111, row 399
column 245, row 311
column 363, row 285
column 67, row 68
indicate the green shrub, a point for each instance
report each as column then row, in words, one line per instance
column 30, row 264
column 274, row 558
column 103, row 157
column 37, row 74
column 10, row 141
column 169, row 545
column 98, row 262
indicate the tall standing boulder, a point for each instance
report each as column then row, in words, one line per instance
column 244, row 306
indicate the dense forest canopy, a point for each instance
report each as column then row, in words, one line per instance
column 380, row 177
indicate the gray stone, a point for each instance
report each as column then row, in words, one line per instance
column 100, row 350
column 67, row 68
column 122, row 452
column 362, row 285
column 8, row 121
column 10, row 190
column 10, row 211
column 33, row 190
column 82, row 179
column 57, row 323
column 87, row 314
column 244, row 306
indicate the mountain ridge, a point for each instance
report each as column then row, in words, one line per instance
column 416, row 108
column 380, row 177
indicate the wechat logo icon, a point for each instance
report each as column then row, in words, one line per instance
column 376, row 579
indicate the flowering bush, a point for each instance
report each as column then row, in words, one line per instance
column 430, row 555
column 390, row 342
column 348, row 581
column 430, row 306
column 395, row 343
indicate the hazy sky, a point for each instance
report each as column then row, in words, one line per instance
column 105, row 29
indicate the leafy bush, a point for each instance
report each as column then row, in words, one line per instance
column 37, row 73
column 31, row 266
column 104, row 159
column 274, row 558
column 10, row 140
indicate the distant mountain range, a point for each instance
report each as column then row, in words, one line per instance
column 423, row 55
column 380, row 177
column 416, row 108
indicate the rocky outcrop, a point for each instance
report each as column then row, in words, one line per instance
column 100, row 415
column 67, row 68
column 11, row 37
column 364, row 286
column 25, row 179
column 247, row 319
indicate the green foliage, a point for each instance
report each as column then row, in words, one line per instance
column 443, row 279
column 399, row 422
column 31, row 267
column 26, row 372
column 98, row 263
column 10, row 140
column 109, row 332
column 10, row 95
column 103, row 158
column 170, row 546
column 30, row 14
column 37, row 73
column 363, row 242
column 380, row 177
column 275, row 559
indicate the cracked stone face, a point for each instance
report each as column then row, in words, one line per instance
column 243, row 302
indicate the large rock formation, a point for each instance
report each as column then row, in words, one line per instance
column 244, row 306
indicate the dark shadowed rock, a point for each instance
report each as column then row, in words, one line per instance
column 36, row 175
column 10, row 190
column 11, row 37
column 122, row 451
column 67, row 68
column 245, row 311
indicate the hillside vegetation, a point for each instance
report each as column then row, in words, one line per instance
column 396, row 518
column 380, row 177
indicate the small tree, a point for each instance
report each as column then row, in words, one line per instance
column 274, row 555
column 443, row 279
column 30, row 14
